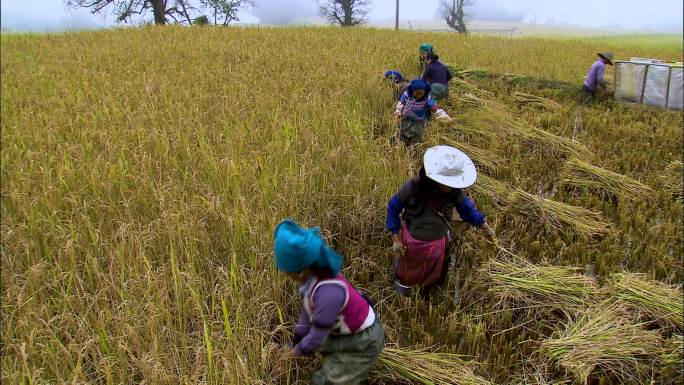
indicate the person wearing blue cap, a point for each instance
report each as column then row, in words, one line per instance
column 397, row 81
column 336, row 319
column 414, row 108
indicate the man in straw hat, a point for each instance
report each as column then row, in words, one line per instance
column 336, row 319
column 418, row 217
column 595, row 77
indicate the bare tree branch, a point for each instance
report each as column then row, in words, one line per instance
column 344, row 12
column 453, row 12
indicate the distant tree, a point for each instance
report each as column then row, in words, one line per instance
column 225, row 11
column 346, row 13
column 165, row 11
column 453, row 12
column 201, row 20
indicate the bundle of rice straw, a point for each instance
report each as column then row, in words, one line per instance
column 534, row 100
column 603, row 340
column 493, row 189
column 558, row 214
column 538, row 375
column 527, row 285
column 672, row 178
column 671, row 357
column 651, row 300
column 428, row 368
column 471, row 101
column 581, row 174
column 482, row 158
column 554, row 144
column 469, row 88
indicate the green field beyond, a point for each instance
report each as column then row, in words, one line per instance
column 144, row 170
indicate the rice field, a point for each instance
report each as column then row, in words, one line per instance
column 144, row 170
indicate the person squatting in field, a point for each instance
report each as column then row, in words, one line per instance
column 399, row 84
column 418, row 217
column 336, row 319
column 414, row 108
column 595, row 77
column 423, row 52
column 437, row 75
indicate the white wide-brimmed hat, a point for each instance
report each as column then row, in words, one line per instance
column 449, row 166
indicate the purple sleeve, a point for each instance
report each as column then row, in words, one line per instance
column 403, row 97
column 432, row 104
column 328, row 301
column 302, row 327
column 394, row 208
column 469, row 213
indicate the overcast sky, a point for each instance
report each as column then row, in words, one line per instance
column 41, row 15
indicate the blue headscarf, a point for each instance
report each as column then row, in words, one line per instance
column 297, row 248
column 396, row 75
column 418, row 84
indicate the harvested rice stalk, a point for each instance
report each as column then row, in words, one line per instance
column 534, row 100
column 672, row 371
column 468, row 87
column 427, row 367
column 581, row 174
column 652, row 299
column 603, row 340
column 555, row 144
column 528, row 285
column 472, row 101
column 538, row 375
column 498, row 192
column 483, row 158
column 558, row 214
column 672, row 178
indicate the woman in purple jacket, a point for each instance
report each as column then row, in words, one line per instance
column 336, row 319
column 418, row 216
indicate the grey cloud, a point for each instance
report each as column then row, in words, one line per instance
column 278, row 12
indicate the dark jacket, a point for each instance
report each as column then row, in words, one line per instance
column 436, row 72
column 421, row 215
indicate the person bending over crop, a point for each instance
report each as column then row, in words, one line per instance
column 414, row 108
column 336, row 319
column 423, row 52
column 397, row 81
column 438, row 76
column 595, row 77
column 418, row 217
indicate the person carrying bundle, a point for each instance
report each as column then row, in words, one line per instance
column 438, row 76
column 418, row 218
column 595, row 77
column 423, row 52
column 336, row 319
column 414, row 108
column 398, row 82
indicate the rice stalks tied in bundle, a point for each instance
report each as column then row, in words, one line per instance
column 497, row 191
column 603, row 340
column 469, row 88
column 536, row 101
column 558, row 215
column 671, row 357
column 428, row 368
column 471, row 101
column 651, row 300
column 584, row 175
column 672, row 178
column 554, row 144
column 527, row 285
column 482, row 158
column 538, row 375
